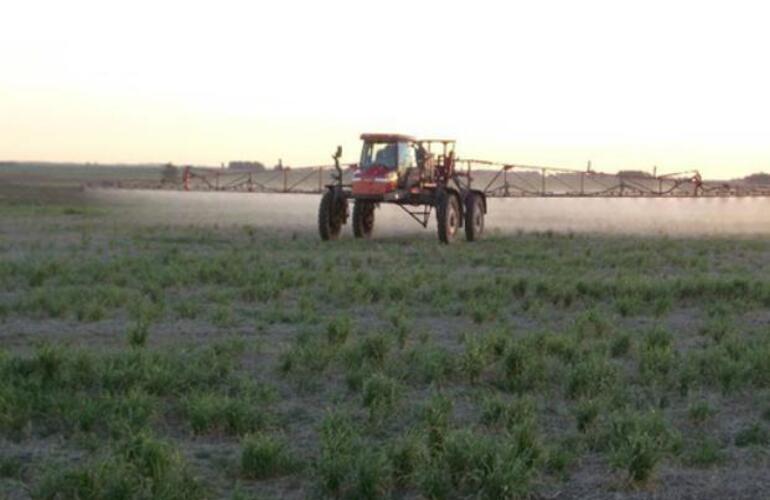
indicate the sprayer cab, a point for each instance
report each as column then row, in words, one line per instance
column 391, row 163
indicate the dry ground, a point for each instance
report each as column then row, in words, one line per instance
column 169, row 359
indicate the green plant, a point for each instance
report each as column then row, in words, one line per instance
column 495, row 411
column 153, row 458
column 209, row 412
column 656, row 362
column 430, row 363
column 401, row 326
column 562, row 346
column 591, row 376
column 473, row 360
column 264, row 456
column 380, row 395
column 510, row 473
column 593, row 324
column 484, row 309
column 347, row 467
column 480, row 464
column 658, row 337
column 371, row 475
column 717, row 328
column 374, row 348
column 496, row 343
column 91, row 482
column 620, row 345
column 700, row 411
column 10, row 467
column 187, row 309
column 628, row 305
column 308, row 356
column 50, row 360
column 433, row 479
column 138, row 333
column 560, row 457
column 661, row 305
column 139, row 467
column 463, row 452
column 586, row 413
column 436, row 415
column 637, row 442
column 405, row 454
column 523, row 367
column 338, row 440
column 90, row 311
column 755, row 434
column 223, row 316
column 338, row 330
column 706, row 452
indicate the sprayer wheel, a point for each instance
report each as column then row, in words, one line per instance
column 447, row 216
column 474, row 217
column 329, row 219
column 363, row 219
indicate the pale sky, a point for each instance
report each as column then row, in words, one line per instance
column 677, row 84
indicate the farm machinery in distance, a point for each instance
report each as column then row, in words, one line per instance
column 422, row 176
column 417, row 175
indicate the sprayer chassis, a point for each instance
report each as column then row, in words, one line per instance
column 454, row 208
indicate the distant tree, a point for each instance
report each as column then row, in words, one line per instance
column 634, row 173
column 170, row 173
column 254, row 166
column 758, row 178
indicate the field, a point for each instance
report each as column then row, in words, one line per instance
column 167, row 357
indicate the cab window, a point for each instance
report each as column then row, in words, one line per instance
column 406, row 155
column 383, row 154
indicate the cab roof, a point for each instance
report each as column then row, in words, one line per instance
column 387, row 138
column 400, row 138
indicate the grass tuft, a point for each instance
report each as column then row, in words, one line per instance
column 138, row 333
column 637, row 443
column 264, row 456
column 380, row 396
column 211, row 412
column 754, row 435
column 700, row 411
column 707, row 452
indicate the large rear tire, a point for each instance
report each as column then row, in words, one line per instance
column 363, row 219
column 447, row 216
column 474, row 217
column 331, row 215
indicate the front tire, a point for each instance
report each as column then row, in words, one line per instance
column 363, row 219
column 474, row 217
column 331, row 215
column 447, row 216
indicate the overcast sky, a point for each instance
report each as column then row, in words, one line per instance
column 677, row 84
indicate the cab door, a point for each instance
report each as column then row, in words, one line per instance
column 408, row 173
